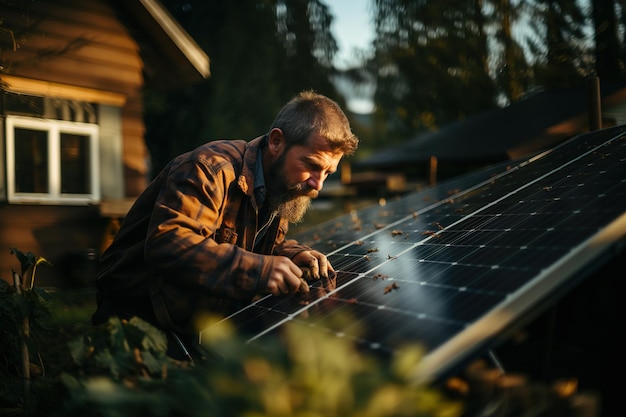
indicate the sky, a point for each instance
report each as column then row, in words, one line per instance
column 352, row 28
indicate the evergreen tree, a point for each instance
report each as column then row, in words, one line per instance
column 513, row 75
column 565, row 59
column 431, row 63
column 609, row 48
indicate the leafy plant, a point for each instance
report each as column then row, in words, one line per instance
column 123, row 370
column 28, row 265
column 23, row 312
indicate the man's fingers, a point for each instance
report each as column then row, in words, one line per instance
column 325, row 267
column 304, row 287
column 313, row 268
column 321, row 268
column 284, row 277
column 287, row 287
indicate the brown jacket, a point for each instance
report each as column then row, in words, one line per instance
column 190, row 242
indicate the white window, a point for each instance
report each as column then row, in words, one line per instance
column 51, row 161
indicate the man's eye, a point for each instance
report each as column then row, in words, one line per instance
column 315, row 167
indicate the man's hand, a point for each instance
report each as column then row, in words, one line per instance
column 289, row 276
column 285, row 276
column 314, row 264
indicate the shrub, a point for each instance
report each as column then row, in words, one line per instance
column 124, row 371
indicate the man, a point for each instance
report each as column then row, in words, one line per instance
column 208, row 234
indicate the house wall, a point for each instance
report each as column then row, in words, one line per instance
column 73, row 49
column 68, row 237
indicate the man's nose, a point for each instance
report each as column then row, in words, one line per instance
column 315, row 182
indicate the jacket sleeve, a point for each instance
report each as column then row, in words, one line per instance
column 287, row 247
column 180, row 244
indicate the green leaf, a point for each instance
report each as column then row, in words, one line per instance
column 152, row 338
column 153, row 365
column 26, row 259
column 43, row 294
column 117, row 336
column 70, row 381
column 77, row 350
column 41, row 260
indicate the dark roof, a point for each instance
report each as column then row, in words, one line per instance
column 533, row 124
column 171, row 55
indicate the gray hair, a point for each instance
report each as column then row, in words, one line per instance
column 309, row 112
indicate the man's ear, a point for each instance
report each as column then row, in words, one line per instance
column 276, row 142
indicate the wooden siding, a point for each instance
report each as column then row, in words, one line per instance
column 82, row 43
column 61, row 234
column 83, row 48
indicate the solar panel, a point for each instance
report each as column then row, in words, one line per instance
column 455, row 267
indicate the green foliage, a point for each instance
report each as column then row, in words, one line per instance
column 114, row 350
column 14, row 308
column 10, row 313
column 29, row 262
column 431, row 64
column 20, row 303
column 123, row 371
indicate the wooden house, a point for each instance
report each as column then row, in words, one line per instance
column 72, row 152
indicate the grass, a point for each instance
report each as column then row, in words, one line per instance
column 71, row 307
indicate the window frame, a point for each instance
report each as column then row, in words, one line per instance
column 54, row 129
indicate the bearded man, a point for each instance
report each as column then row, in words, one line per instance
column 208, row 233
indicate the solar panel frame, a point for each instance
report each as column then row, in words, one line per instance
column 472, row 259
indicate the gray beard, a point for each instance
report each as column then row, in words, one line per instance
column 295, row 209
column 289, row 203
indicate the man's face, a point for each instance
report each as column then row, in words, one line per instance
column 291, row 201
column 297, row 176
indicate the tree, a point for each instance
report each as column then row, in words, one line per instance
column 431, row 63
column 512, row 73
column 565, row 54
column 610, row 52
column 304, row 28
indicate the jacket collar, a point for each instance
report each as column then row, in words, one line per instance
column 247, row 177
